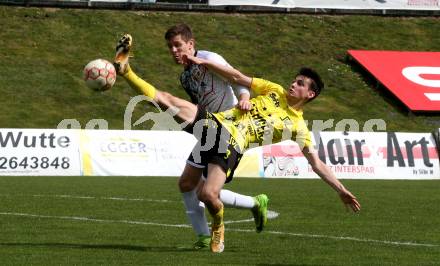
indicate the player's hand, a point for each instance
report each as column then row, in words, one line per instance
column 350, row 201
column 244, row 105
column 190, row 59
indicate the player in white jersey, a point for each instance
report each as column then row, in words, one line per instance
column 205, row 88
column 208, row 91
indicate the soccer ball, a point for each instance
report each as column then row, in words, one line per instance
column 99, row 75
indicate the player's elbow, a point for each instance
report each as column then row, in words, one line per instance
column 165, row 99
column 163, row 96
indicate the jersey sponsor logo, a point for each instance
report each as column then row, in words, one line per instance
column 274, row 97
column 413, row 77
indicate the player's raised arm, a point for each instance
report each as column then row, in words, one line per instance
column 229, row 73
column 239, row 90
column 327, row 175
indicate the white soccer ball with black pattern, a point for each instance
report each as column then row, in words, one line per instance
column 99, row 75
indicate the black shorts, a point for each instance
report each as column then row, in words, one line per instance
column 214, row 145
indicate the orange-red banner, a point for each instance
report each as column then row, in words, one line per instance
column 413, row 77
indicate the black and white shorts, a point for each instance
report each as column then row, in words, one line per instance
column 214, row 145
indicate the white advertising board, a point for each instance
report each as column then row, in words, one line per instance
column 50, row 152
column 358, row 155
column 351, row 155
column 336, row 4
column 135, row 152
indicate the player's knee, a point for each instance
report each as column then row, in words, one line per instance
column 167, row 95
column 208, row 195
column 166, row 98
column 186, row 184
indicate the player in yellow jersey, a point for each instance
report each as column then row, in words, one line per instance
column 208, row 91
column 276, row 115
column 223, row 137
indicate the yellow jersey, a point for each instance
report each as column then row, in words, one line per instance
column 270, row 120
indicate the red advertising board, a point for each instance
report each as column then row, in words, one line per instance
column 413, row 77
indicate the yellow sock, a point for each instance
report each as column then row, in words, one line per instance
column 218, row 217
column 139, row 84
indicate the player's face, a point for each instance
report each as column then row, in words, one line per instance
column 300, row 88
column 179, row 47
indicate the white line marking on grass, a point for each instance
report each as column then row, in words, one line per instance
column 101, row 198
column 270, row 215
column 341, row 238
column 273, row 214
column 91, row 219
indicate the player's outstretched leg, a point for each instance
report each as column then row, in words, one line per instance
column 257, row 204
column 187, row 110
column 123, row 48
column 260, row 212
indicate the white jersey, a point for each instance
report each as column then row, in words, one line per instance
column 207, row 89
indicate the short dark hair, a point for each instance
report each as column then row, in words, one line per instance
column 179, row 29
column 317, row 84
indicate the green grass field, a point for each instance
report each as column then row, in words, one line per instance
column 141, row 220
column 44, row 52
column 138, row 221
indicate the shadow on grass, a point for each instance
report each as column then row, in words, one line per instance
column 99, row 246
